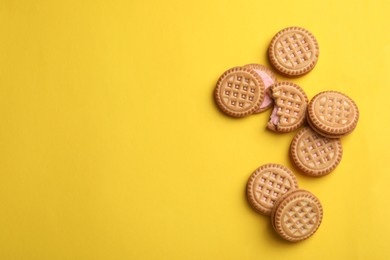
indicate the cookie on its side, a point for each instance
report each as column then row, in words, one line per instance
column 290, row 102
column 313, row 154
column 267, row 184
column 239, row 92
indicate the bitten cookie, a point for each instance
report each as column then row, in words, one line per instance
column 290, row 102
column 293, row 51
column 332, row 114
column 267, row 184
column 314, row 154
column 239, row 92
column 269, row 79
column 297, row 215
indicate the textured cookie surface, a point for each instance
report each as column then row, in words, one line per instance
column 267, row 184
column 297, row 215
column 333, row 114
column 290, row 102
column 239, row 92
column 269, row 79
column 293, row 51
column 314, row 154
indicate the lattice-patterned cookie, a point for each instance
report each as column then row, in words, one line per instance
column 314, row 154
column 290, row 102
column 269, row 79
column 293, row 51
column 332, row 114
column 267, row 184
column 297, row 215
column 239, row 92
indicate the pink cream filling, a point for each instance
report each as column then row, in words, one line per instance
column 274, row 117
column 268, row 81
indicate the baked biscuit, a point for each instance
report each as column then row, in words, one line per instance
column 314, row 154
column 239, row 92
column 290, row 102
column 267, row 184
column 297, row 215
column 293, row 51
column 332, row 114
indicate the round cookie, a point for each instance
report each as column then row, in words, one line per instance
column 297, row 215
column 267, row 184
column 332, row 114
column 293, row 51
column 314, row 154
column 239, row 92
column 269, row 79
column 290, row 102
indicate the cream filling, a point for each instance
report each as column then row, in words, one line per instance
column 268, row 81
column 274, row 118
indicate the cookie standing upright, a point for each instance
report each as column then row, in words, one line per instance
column 290, row 103
column 293, row 51
column 315, row 155
column 267, row 184
column 332, row 114
column 269, row 79
column 239, row 92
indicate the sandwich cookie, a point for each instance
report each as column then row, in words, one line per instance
column 293, row 51
column 239, row 92
column 267, row 184
column 297, row 215
column 314, row 154
column 290, row 102
column 332, row 114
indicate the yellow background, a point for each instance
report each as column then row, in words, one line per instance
column 111, row 146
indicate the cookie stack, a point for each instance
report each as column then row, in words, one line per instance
column 315, row 150
column 273, row 190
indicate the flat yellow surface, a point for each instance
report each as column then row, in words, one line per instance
column 111, row 146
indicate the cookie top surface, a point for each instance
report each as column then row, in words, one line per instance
column 314, row 154
column 297, row 215
column 239, row 92
column 293, row 51
column 290, row 102
column 267, row 184
column 333, row 113
column 268, row 78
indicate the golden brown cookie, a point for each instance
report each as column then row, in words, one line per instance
column 239, row 92
column 314, row 154
column 269, row 79
column 290, row 102
column 332, row 114
column 297, row 215
column 267, row 184
column 293, row 51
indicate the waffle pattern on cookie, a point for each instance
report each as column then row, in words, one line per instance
column 291, row 104
column 313, row 154
column 267, row 184
column 333, row 113
column 300, row 218
column 297, row 215
column 293, row 51
column 334, row 110
column 239, row 92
